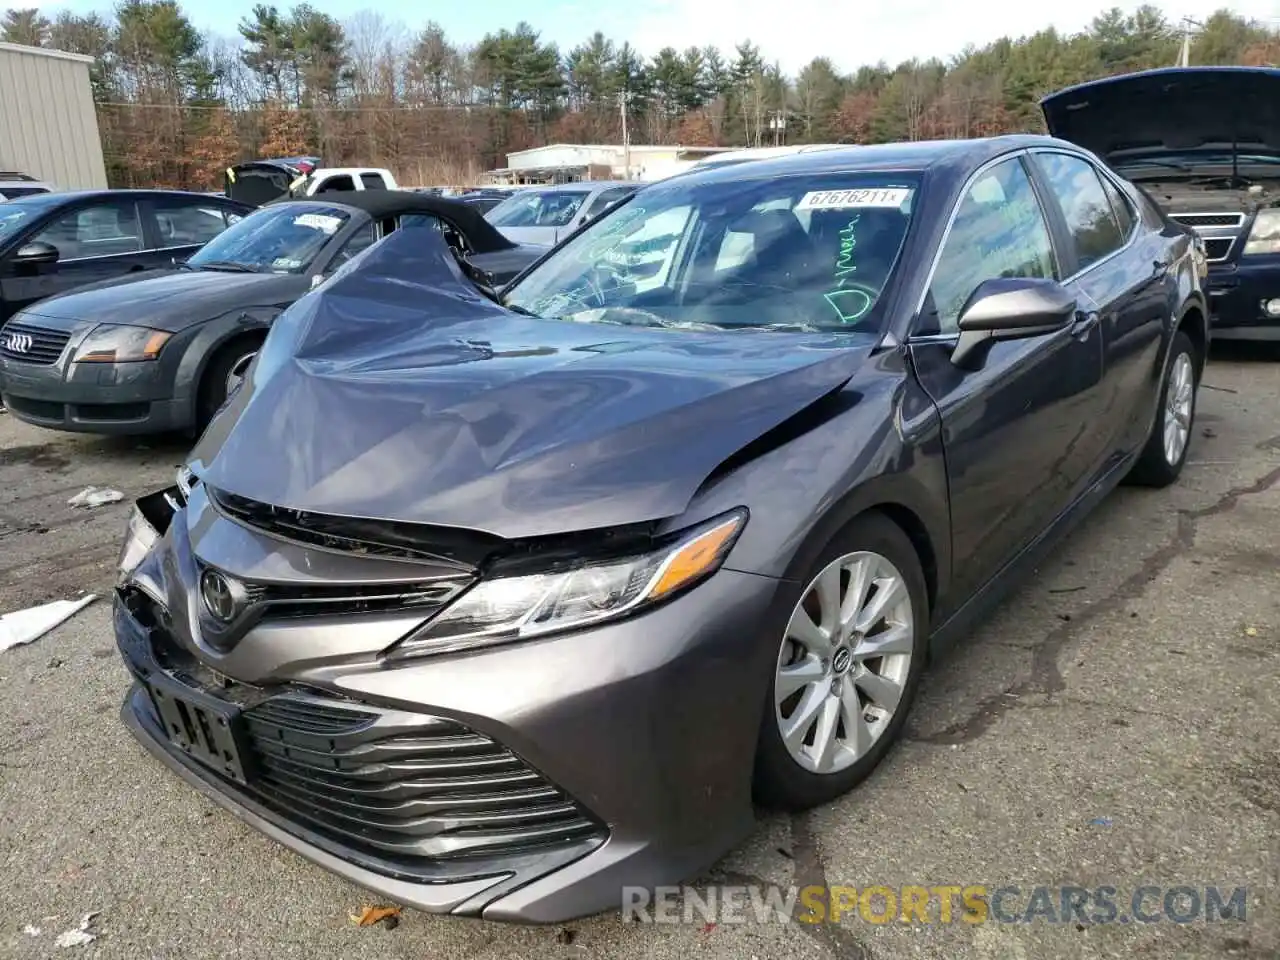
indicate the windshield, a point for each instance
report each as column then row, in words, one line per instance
column 284, row 239
column 810, row 253
column 16, row 214
column 537, row 208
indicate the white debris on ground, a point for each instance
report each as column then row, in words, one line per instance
column 79, row 936
column 95, row 497
column 27, row 626
column 31, row 931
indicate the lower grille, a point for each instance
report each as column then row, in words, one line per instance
column 403, row 785
column 31, row 344
column 1217, row 248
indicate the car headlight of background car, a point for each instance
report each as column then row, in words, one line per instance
column 1264, row 236
column 503, row 609
column 119, row 343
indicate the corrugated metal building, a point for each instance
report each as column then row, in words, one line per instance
column 48, row 125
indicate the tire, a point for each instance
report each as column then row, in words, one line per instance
column 215, row 387
column 1156, row 466
column 791, row 783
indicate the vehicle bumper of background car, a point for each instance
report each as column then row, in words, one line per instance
column 108, row 398
column 1238, row 294
column 648, row 725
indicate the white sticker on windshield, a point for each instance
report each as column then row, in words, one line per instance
column 846, row 199
column 318, row 221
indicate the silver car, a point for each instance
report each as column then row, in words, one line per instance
column 546, row 215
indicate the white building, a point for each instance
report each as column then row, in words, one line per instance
column 565, row 162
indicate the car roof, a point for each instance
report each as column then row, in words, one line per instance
column 916, row 156
column 70, row 195
column 483, row 236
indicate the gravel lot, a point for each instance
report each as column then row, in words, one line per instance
column 1116, row 723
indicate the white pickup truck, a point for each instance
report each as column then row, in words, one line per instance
column 261, row 181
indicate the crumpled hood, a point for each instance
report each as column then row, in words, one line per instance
column 1174, row 109
column 171, row 299
column 397, row 392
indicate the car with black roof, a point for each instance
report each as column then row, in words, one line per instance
column 161, row 351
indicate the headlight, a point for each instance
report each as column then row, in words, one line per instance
column 515, row 608
column 117, row 343
column 1264, row 236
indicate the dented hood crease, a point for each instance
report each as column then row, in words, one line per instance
column 397, row 392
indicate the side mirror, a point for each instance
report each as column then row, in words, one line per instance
column 1011, row 308
column 36, row 252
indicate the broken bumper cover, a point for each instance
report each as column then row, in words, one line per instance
column 641, row 735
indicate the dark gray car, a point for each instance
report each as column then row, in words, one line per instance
column 161, row 351
column 499, row 614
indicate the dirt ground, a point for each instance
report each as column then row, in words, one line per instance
column 1116, row 723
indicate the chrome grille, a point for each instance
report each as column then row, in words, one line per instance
column 403, row 785
column 1209, row 219
column 31, row 344
column 1219, row 231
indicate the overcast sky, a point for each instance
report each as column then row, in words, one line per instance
column 792, row 32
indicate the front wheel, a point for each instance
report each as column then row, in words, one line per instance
column 222, row 378
column 847, row 669
column 1162, row 459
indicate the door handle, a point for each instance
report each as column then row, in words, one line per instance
column 1084, row 324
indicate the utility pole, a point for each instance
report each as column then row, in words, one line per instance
column 624, row 97
column 1184, row 55
column 778, row 121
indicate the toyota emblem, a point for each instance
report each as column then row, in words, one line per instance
column 222, row 597
column 18, row 342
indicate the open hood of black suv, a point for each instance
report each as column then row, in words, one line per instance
column 1174, row 110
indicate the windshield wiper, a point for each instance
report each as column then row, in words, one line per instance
column 516, row 308
column 230, row 266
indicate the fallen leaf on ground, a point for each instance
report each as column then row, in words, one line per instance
column 1250, row 631
column 368, row 916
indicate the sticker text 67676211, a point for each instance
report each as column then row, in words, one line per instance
column 846, row 199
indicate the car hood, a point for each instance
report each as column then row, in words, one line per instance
column 170, row 299
column 396, row 392
column 1171, row 110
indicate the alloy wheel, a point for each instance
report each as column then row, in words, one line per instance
column 1178, row 398
column 235, row 376
column 844, row 662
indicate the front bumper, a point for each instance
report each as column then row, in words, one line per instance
column 648, row 727
column 106, row 398
column 1236, row 294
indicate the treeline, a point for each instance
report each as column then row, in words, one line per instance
column 176, row 106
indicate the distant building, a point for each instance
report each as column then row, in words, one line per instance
column 48, row 124
column 569, row 162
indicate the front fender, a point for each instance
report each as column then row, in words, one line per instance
column 210, row 336
column 879, row 447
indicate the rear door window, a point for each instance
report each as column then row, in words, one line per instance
column 373, row 181
column 182, row 224
column 1077, row 188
